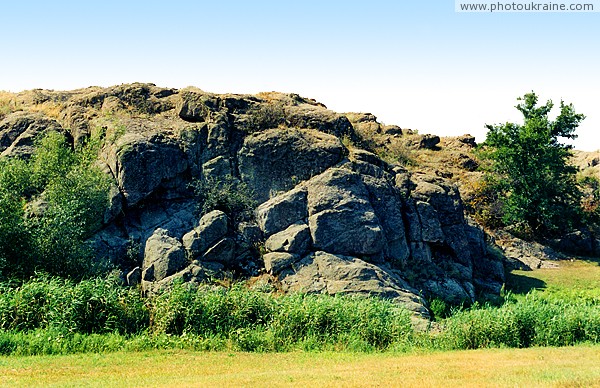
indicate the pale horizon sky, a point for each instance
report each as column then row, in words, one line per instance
column 414, row 63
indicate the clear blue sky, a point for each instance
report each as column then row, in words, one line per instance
column 413, row 63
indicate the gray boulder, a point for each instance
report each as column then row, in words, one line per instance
column 163, row 256
column 295, row 239
column 196, row 106
column 217, row 168
column 431, row 230
column 275, row 262
column 141, row 162
column 211, row 228
column 19, row 130
column 282, row 211
column 322, row 272
column 316, row 117
column 341, row 218
column 222, row 252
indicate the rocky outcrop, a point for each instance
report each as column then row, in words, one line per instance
column 326, row 217
column 525, row 255
column 322, row 272
column 18, row 132
column 277, row 159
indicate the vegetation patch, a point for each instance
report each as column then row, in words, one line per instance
column 49, row 205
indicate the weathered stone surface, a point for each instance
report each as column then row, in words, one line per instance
column 456, row 239
column 346, row 232
column 580, row 242
column 387, row 204
column 163, row 256
column 365, row 124
column 217, row 168
column 222, row 252
column 420, row 252
column 322, row 272
column 451, row 290
column 344, row 203
column 193, row 273
column 414, row 223
column 19, row 130
column 141, row 163
column 275, row 262
column 431, row 230
column 277, row 159
column 109, row 245
column 341, row 219
column 428, row 141
column 249, row 232
column 296, row 239
column 177, row 217
column 315, row 117
column 115, row 204
column 444, row 198
column 134, row 277
column 211, row 228
column 281, row 211
column 525, row 255
column 196, row 105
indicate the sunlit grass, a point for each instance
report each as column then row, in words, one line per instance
column 580, row 275
column 569, row 366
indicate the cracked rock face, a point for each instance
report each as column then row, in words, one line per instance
column 327, row 218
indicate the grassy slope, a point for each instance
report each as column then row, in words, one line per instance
column 574, row 366
column 576, row 275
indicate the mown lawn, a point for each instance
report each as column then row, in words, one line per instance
column 568, row 367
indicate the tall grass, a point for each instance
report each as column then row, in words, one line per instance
column 54, row 316
column 536, row 319
column 90, row 306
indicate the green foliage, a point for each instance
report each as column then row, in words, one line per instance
column 50, row 205
column 56, row 316
column 227, row 194
column 557, row 319
column 590, row 203
column 259, row 321
column 530, row 170
column 90, row 306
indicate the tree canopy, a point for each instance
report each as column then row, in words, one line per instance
column 528, row 166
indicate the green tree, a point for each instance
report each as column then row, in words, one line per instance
column 49, row 205
column 528, row 166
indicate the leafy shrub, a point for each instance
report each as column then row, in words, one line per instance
column 242, row 315
column 50, row 205
column 56, row 316
column 227, row 194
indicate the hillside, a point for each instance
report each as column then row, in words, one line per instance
column 278, row 189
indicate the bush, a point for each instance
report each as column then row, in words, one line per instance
column 56, row 316
column 50, row 205
column 227, row 194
